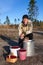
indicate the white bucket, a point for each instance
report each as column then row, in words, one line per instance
column 29, row 46
column 14, row 50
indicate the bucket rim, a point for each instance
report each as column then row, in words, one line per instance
column 28, row 41
column 22, row 50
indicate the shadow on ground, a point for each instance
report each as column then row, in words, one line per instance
column 10, row 43
column 41, row 33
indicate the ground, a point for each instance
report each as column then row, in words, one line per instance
column 5, row 42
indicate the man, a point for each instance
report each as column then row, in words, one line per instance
column 25, row 30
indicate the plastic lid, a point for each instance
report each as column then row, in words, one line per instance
column 15, row 47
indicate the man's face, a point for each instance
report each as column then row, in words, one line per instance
column 25, row 20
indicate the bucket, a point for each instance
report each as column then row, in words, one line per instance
column 14, row 50
column 29, row 46
column 22, row 54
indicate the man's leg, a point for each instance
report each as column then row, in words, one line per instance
column 20, row 43
column 30, row 36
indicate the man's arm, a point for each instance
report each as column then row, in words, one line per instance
column 21, row 35
column 20, row 30
column 31, row 28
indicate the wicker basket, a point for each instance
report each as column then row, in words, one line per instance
column 11, row 59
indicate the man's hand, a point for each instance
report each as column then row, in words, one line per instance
column 22, row 36
column 26, row 39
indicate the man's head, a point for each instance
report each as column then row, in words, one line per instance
column 25, row 19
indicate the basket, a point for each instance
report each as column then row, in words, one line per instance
column 11, row 59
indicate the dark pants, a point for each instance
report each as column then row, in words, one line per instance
column 30, row 36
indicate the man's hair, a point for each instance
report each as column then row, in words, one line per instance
column 25, row 16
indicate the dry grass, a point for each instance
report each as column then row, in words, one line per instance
column 13, row 34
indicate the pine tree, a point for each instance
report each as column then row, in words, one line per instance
column 15, row 20
column 32, row 9
column 18, row 19
column 7, row 20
